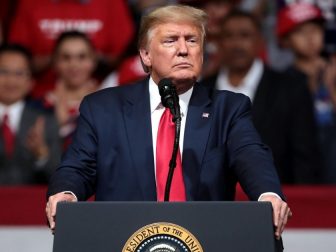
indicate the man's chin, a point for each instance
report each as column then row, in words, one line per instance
column 180, row 78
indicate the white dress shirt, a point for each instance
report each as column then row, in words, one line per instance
column 249, row 84
column 14, row 112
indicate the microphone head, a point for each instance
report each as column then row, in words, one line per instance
column 165, row 81
column 167, row 91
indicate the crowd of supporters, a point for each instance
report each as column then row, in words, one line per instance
column 281, row 54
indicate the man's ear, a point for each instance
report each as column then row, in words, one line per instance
column 145, row 59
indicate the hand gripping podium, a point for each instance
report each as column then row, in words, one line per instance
column 164, row 227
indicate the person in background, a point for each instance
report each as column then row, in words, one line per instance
column 38, row 23
column 29, row 142
column 328, row 10
column 300, row 28
column 74, row 61
column 282, row 108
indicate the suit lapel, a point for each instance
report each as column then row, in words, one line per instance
column 138, row 127
column 195, row 138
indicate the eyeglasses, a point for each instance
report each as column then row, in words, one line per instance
column 21, row 74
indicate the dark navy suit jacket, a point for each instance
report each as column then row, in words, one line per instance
column 112, row 154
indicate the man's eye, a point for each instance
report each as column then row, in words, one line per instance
column 168, row 41
column 192, row 40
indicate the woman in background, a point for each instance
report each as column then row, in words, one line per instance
column 74, row 61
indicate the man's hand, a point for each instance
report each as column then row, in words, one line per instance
column 52, row 203
column 281, row 213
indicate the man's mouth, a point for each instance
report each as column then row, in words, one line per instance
column 183, row 65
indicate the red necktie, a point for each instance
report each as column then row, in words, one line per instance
column 8, row 137
column 164, row 148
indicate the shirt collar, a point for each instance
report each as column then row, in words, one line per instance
column 248, row 85
column 155, row 98
column 254, row 74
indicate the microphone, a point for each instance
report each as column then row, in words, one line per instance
column 169, row 99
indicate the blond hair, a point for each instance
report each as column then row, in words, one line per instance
column 171, row 14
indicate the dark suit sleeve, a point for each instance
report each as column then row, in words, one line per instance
column 77, row 172
column 251, row 160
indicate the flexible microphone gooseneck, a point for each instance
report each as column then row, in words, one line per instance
column 170, row 99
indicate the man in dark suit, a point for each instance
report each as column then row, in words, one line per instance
column 112, row 152
column 29, row 142
column 282, row 108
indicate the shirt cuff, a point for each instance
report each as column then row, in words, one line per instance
column 268, row 193
column 69, row 192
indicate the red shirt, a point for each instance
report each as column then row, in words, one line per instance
column 38, row 22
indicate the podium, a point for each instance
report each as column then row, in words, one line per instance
column 164, row 227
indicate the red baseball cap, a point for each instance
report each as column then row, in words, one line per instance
column 293, row 15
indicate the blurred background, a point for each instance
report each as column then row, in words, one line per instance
column 281, row 54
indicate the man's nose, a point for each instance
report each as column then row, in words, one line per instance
column 182, row 48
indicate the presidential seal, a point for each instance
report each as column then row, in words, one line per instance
column 162, row 237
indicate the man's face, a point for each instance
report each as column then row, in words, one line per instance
column 15, row 82
column 240, row 43
column 216, row 11
column 174, row 51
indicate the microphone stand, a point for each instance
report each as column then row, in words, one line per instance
column 175, row 110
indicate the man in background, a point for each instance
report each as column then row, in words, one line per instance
column 29, row 142
column 282, row 108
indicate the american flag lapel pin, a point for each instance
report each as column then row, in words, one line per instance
column 205, row 115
